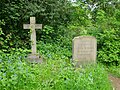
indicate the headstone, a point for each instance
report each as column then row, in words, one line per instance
column 84, row 50
column 33, row 57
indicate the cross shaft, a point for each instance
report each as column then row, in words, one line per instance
column 33, row 26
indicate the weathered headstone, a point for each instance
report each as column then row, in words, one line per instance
column 84, row 50
column 33, row 57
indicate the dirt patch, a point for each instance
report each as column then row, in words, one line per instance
column 115, row 82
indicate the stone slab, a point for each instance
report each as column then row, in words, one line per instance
column 84, row 49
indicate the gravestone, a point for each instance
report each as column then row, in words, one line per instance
column 84, row 50
column 34, row 56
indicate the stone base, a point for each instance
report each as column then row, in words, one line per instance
column 34, row 58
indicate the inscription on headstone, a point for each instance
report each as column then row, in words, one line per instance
column 84, row 49
column 33, row 57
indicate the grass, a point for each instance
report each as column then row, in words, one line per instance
column 55, row 74
column 114, row 70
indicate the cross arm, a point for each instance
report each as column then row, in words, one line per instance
column 26, row 26
column 38, row 26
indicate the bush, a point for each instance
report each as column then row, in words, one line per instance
column 53, row 51
column 109, row 53
column 16, row 13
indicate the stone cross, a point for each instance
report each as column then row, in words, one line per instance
column 32, row 26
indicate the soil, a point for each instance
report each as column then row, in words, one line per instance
column 115, row 82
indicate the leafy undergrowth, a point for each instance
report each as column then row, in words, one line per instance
column 53, row 51
column 114, row 70
column 16, row 74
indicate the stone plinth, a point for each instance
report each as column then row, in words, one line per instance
column 34, row 58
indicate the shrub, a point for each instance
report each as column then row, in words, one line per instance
column 109, row 52
column 53, row 51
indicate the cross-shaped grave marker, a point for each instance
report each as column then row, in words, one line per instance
column 32, row 26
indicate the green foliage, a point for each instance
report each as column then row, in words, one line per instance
column 110, row 47
column 108, row 38
column 47, row 33
column 50, row 13
column 16, row 74
column 52, row 51
column 115, row 70
column 61, row 75
column 4, row 39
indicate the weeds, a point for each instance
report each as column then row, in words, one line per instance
column 17, row 74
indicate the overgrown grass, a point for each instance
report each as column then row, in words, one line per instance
column 15, row 73
column 60, row 75
column 55, row 74
column 115, row 70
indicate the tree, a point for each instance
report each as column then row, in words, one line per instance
column 17, row 12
